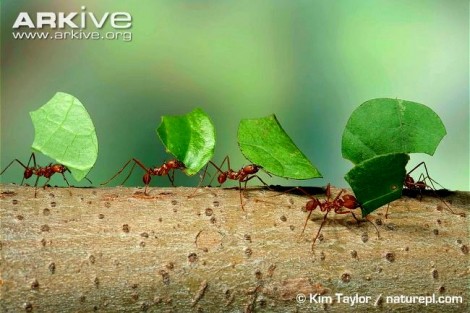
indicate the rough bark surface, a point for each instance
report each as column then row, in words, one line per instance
column 117, row 250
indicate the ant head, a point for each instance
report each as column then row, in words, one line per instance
column 312, row 204
column 174, row 164
column 251, row 169
column 58, row 168
column 350, row 202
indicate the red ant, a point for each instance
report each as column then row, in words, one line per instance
column 343, row 205
column 46, row 171
column 163, row 170
column 243, row 175
column 420, row 185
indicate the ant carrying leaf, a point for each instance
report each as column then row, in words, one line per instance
column 378, row 180
column 45, row 171
column 421, row 185
column 243, row 175
column 264, row 142
column 343, row 203
column 189, row 137
column 164, row 170
column 65, row 132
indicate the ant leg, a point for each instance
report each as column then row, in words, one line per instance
column 63, row 176
column 244, row 188
column 172, row 180
column 118, row 172
column 66, row 181
column 123, row 168
column 352, row 213
column 433, row 188
column 219, row 168
column 321, row 226
column 129, row 174
column 386, row 212
column 297, row 188
column 240, row 192
column 427, row 176
column 45, row 184
column 376, row 229
column 33, row 157
column 358, row 221
column 203, row 176
column 435, row 182
column 306, row 221
column 15, row 160
column 172, row 177
column 414, row 168
column 200, row 181
column 337, row 196
column 262, row 181
column 36, row 186
column 228, row 162
column 328, row 192
column 71, row 173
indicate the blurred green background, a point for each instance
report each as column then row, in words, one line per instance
column 310, row 62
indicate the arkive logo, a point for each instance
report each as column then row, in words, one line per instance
column 74, row 20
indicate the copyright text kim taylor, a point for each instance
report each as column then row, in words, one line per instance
column 356, row 299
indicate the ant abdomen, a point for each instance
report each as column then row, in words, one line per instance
column 222, row 178
column 146, row 178
column 28, row 172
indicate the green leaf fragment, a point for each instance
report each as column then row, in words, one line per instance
column 382, row 126
column 378, row 181
column 190, row 138
column 265, row 143
column 65, row 132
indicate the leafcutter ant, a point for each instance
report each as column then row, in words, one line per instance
column 243, row 175
column 45, row 171
column 164, row 170
column 341, row 204
column 421, row 185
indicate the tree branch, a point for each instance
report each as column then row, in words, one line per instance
column 115, row 249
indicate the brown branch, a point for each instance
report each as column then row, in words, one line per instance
column 115, row 249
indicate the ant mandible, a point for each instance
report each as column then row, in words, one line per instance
column 420, row 185
column 243, row 175
column 46, row 171
column 163, row 170
column 343, row 205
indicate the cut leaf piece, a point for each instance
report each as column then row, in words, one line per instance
column 265, row 143
column 378, row 181
column 382, row 126
column 65, row 132
column 190, row 138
